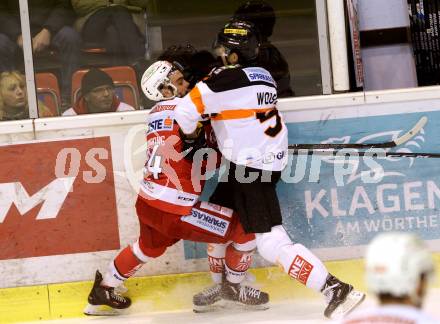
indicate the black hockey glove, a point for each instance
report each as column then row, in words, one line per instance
column 193, row 142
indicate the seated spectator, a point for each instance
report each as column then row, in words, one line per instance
column 50, row 24
column 97, row 95
column 111, row 25
column 13, row 98
column 262, row 15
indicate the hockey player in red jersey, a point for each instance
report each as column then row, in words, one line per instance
column 240, row 100
column 169, row 209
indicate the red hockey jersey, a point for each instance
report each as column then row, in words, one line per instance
column 171, row 182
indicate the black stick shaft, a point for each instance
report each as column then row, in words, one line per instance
column 363, row 153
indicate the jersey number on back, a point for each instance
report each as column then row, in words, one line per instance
column 153, row 163
column 271, row 131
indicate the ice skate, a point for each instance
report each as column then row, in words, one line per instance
column 121, row 289
column 208, row 299
column 244, row 295
column 104, row 300
column 341, row 298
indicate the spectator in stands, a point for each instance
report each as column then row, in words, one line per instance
column 262, row 15
column 398, row 269
column 50, row 23
column 111, row 25
column 13, row 98
column 97, row 95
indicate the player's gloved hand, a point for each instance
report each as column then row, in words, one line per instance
column 194, row 141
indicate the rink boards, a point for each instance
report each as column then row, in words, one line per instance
column 68, row 186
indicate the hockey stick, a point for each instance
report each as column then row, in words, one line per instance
column 398, row 141
column 363, row 153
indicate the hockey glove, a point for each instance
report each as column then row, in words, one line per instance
column 193, row 142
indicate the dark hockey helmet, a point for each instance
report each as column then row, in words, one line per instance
column 258, row 12
column 180, row 56
column 241, row 37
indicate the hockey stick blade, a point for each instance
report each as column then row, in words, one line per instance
column 398, row 141
column 363, row 153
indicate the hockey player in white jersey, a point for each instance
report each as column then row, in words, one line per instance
column 240, row 101
column 168, row 206
column 398, row 268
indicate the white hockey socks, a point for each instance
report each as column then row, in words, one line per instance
column 301, row 264
column 296, row 260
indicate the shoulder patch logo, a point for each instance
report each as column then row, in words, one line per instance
column 256, row 74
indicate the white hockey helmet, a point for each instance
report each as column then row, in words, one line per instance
column 395, row 263
column 155, row 79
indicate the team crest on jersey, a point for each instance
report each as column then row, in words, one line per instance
column 208, row 222
column 161, row 124
column 255, row 74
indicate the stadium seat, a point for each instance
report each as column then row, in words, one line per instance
column 124, row 78
column 48, row 91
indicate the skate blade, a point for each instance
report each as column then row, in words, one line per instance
column 102, row 310
column 254, row 307
column 236, row 305
column 218, row 305
column 229, row 305
column 353, row 299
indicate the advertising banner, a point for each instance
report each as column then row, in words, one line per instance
column 338, row 203
column 57, row 197
column 341, row 202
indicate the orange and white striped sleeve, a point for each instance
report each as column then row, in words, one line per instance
column 189, row 111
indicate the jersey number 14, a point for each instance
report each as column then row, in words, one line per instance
column 153, row 163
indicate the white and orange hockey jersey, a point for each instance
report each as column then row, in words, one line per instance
column 389, row 314
column 241, row 103
column 168, row 183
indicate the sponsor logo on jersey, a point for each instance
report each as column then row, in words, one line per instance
column 281, row 155
column 270, row 157
column 148, row 185
column 160, row 124
column 185, row 198
column 160, row 108
column 300, row 269
column 217, row 208
column 208, row 222
column 266, row 98
column 256, row 74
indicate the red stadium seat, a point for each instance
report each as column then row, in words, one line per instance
column 48, row 91
column 124, row 78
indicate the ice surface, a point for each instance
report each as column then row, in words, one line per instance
column 292, row 312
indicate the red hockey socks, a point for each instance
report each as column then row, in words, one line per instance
column 121, row 268
column 237, row 263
